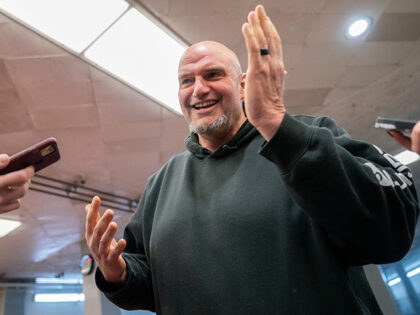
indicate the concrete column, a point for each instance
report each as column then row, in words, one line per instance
column 2, row 300
column 108, row 308
column 382, row 294
column 15, row 301
column 95, row 302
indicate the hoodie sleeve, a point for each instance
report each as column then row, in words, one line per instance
column 364, row 199
column 137, row 291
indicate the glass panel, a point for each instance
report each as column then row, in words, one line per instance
column 20, row 300
column 406, row 292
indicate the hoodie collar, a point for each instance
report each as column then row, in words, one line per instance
column 244, row 135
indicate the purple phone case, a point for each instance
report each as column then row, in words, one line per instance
column 33, row 156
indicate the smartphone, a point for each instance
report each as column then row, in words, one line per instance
column 405, row 126
column 39, row 155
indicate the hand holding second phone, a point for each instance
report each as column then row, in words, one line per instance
column 264, row 78
column 100, row 238
column 412, row 143
column 13, row 185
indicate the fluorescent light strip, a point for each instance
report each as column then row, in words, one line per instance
column 8, row 226
column 58, row 281
column 121, row 41
column 143, row 55
column 407, row 157
column 394, row 282
column 74, row 23
column 413, row 272
column 59, row 297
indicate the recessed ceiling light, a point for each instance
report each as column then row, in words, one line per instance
column 359, row 27
column 7, row 226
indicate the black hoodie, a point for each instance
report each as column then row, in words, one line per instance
column 278, row 227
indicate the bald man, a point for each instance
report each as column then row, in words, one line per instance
column 266, row 213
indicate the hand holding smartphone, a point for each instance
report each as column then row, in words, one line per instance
column 404, row 126
column 405, row 132
column 39, row 155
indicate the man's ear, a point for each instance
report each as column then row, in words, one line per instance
column 242, row 91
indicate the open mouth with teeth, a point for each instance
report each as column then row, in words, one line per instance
column 206, row 104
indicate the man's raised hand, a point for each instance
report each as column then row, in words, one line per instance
column 100, row 233
column 264, row 79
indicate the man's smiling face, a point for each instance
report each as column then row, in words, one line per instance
column 210, row 89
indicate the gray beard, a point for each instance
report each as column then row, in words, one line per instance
column 210, row 128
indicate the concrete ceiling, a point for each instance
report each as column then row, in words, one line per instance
column 117, row 137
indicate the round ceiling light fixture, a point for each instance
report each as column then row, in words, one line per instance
column 359, row 27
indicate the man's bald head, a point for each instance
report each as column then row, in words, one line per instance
column 210, row 47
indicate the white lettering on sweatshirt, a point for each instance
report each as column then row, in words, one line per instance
column 401, row 171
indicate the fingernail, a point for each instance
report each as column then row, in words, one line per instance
column 3, row 159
